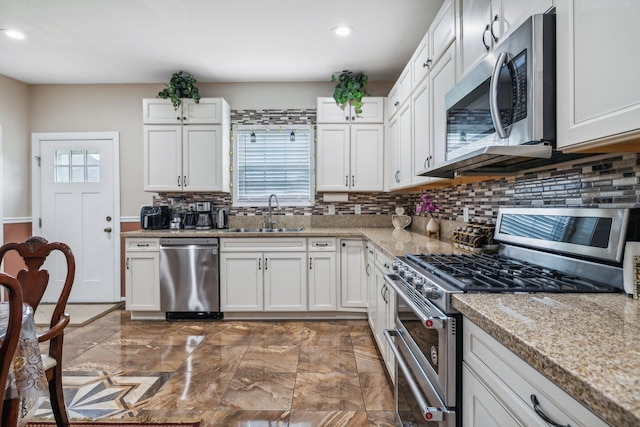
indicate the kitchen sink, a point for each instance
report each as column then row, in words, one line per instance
column 265, row 230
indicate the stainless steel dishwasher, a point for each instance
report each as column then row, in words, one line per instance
column 190, row 278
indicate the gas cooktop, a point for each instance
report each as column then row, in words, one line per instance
column 496, row 273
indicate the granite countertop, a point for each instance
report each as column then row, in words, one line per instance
column 394, row 242
column 587, row 344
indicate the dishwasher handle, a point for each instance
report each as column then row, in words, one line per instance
column 187, row 241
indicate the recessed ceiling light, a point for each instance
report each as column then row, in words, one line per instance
column 12, row 34
column 343, row 31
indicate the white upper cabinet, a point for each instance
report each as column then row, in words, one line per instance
column 482, row 24
column 187, row 156
column 161, row 111
column 435, row 42
column 597, row 74
column 400, row 91
column 330, row 112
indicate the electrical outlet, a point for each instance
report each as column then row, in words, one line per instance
column 358, row 209
column 331, row 210
column 465, row 214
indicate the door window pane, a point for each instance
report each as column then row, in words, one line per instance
column 76, row 165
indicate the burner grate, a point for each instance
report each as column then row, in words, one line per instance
column 496, row 273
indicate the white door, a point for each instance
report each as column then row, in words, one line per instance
column 76, row 200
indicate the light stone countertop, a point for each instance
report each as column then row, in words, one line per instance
column 587, row 344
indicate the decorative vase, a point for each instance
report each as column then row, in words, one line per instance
column 433, row 228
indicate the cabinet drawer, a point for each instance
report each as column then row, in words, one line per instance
column 142, row 244
column 322, row 244
column 383, row 262
column 512, row 379
column 271, row 244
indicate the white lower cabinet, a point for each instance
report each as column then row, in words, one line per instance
column 263, row 274
column 382, row 303
column 353, row 278
column 497, row 388
column 142, row 274
column 323, row 276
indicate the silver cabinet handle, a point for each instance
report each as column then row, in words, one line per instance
column 266, row 263
column 127, row 264
column 493, row 35
column 427, row 63
column 484, row 33
column 179, row 181
column 259, row 263
column 395, row 104
column 184, row 180
column 310, row 263
column 108, row 230
column 396, row 176
column 353, row 180
column 346, row 180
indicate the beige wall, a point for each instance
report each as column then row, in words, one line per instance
column 16, row 148
column 89, row 108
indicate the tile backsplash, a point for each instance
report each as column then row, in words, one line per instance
column 606, row 180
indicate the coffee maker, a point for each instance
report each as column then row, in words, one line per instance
column 204, row 220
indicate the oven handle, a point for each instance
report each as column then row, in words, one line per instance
column 430, row 413
column 429, row 322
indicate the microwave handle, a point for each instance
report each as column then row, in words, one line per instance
column 493, row 96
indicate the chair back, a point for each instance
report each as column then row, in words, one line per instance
column 12, row 333
column 34, row 281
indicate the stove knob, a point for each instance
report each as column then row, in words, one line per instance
column 431, row 292
column 396, row 265
column 408, row 276
column 419, row 282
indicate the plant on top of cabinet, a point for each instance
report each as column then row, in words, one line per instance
column 350, row 89
column 181, row 85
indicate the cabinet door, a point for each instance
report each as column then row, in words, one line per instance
column 142, row 281
column 202, row 158
column 332, row 158
column 442, row 30
column 422, row 149
column 511, row 13
column 400, row 91
column 241, row 281
column 330, row 112
column 322, row 281
column 160, row 111
column 420, row 61
column 474, row 17
column 442, row 79
column 162, row 158
column 372, row 111
column 371, row 284
column 207, row 111
column 597, row 99
column 367, row 161
column 353, row 283
column 285, row 281
column 480, row 407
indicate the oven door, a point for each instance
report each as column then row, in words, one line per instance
column 425, row 344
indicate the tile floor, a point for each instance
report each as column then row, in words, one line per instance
column 227, row 373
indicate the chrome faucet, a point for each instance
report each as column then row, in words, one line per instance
column 271, row 222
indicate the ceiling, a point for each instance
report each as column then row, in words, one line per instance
column 145, row 41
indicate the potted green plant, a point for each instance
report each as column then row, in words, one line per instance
column 350, row 88
column 181, row 85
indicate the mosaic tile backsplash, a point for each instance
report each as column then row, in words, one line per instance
column 597, row 181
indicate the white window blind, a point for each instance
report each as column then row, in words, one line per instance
column 273, row 160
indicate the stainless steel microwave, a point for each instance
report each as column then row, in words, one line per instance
column 503, row 111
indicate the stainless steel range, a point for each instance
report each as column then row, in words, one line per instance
column 541, row 250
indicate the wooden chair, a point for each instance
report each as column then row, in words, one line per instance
column 9, row 408
column 34, row 282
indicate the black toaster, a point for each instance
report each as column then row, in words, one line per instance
column 154, row 217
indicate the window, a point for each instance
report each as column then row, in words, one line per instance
column 76, row 166
column 273, row 160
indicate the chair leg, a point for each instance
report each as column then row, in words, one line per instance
column 56, row 397
column 10, row 410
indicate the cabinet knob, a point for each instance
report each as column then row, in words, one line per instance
column 108, row 230
column 395, row 104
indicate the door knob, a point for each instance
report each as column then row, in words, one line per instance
column 107, row 230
